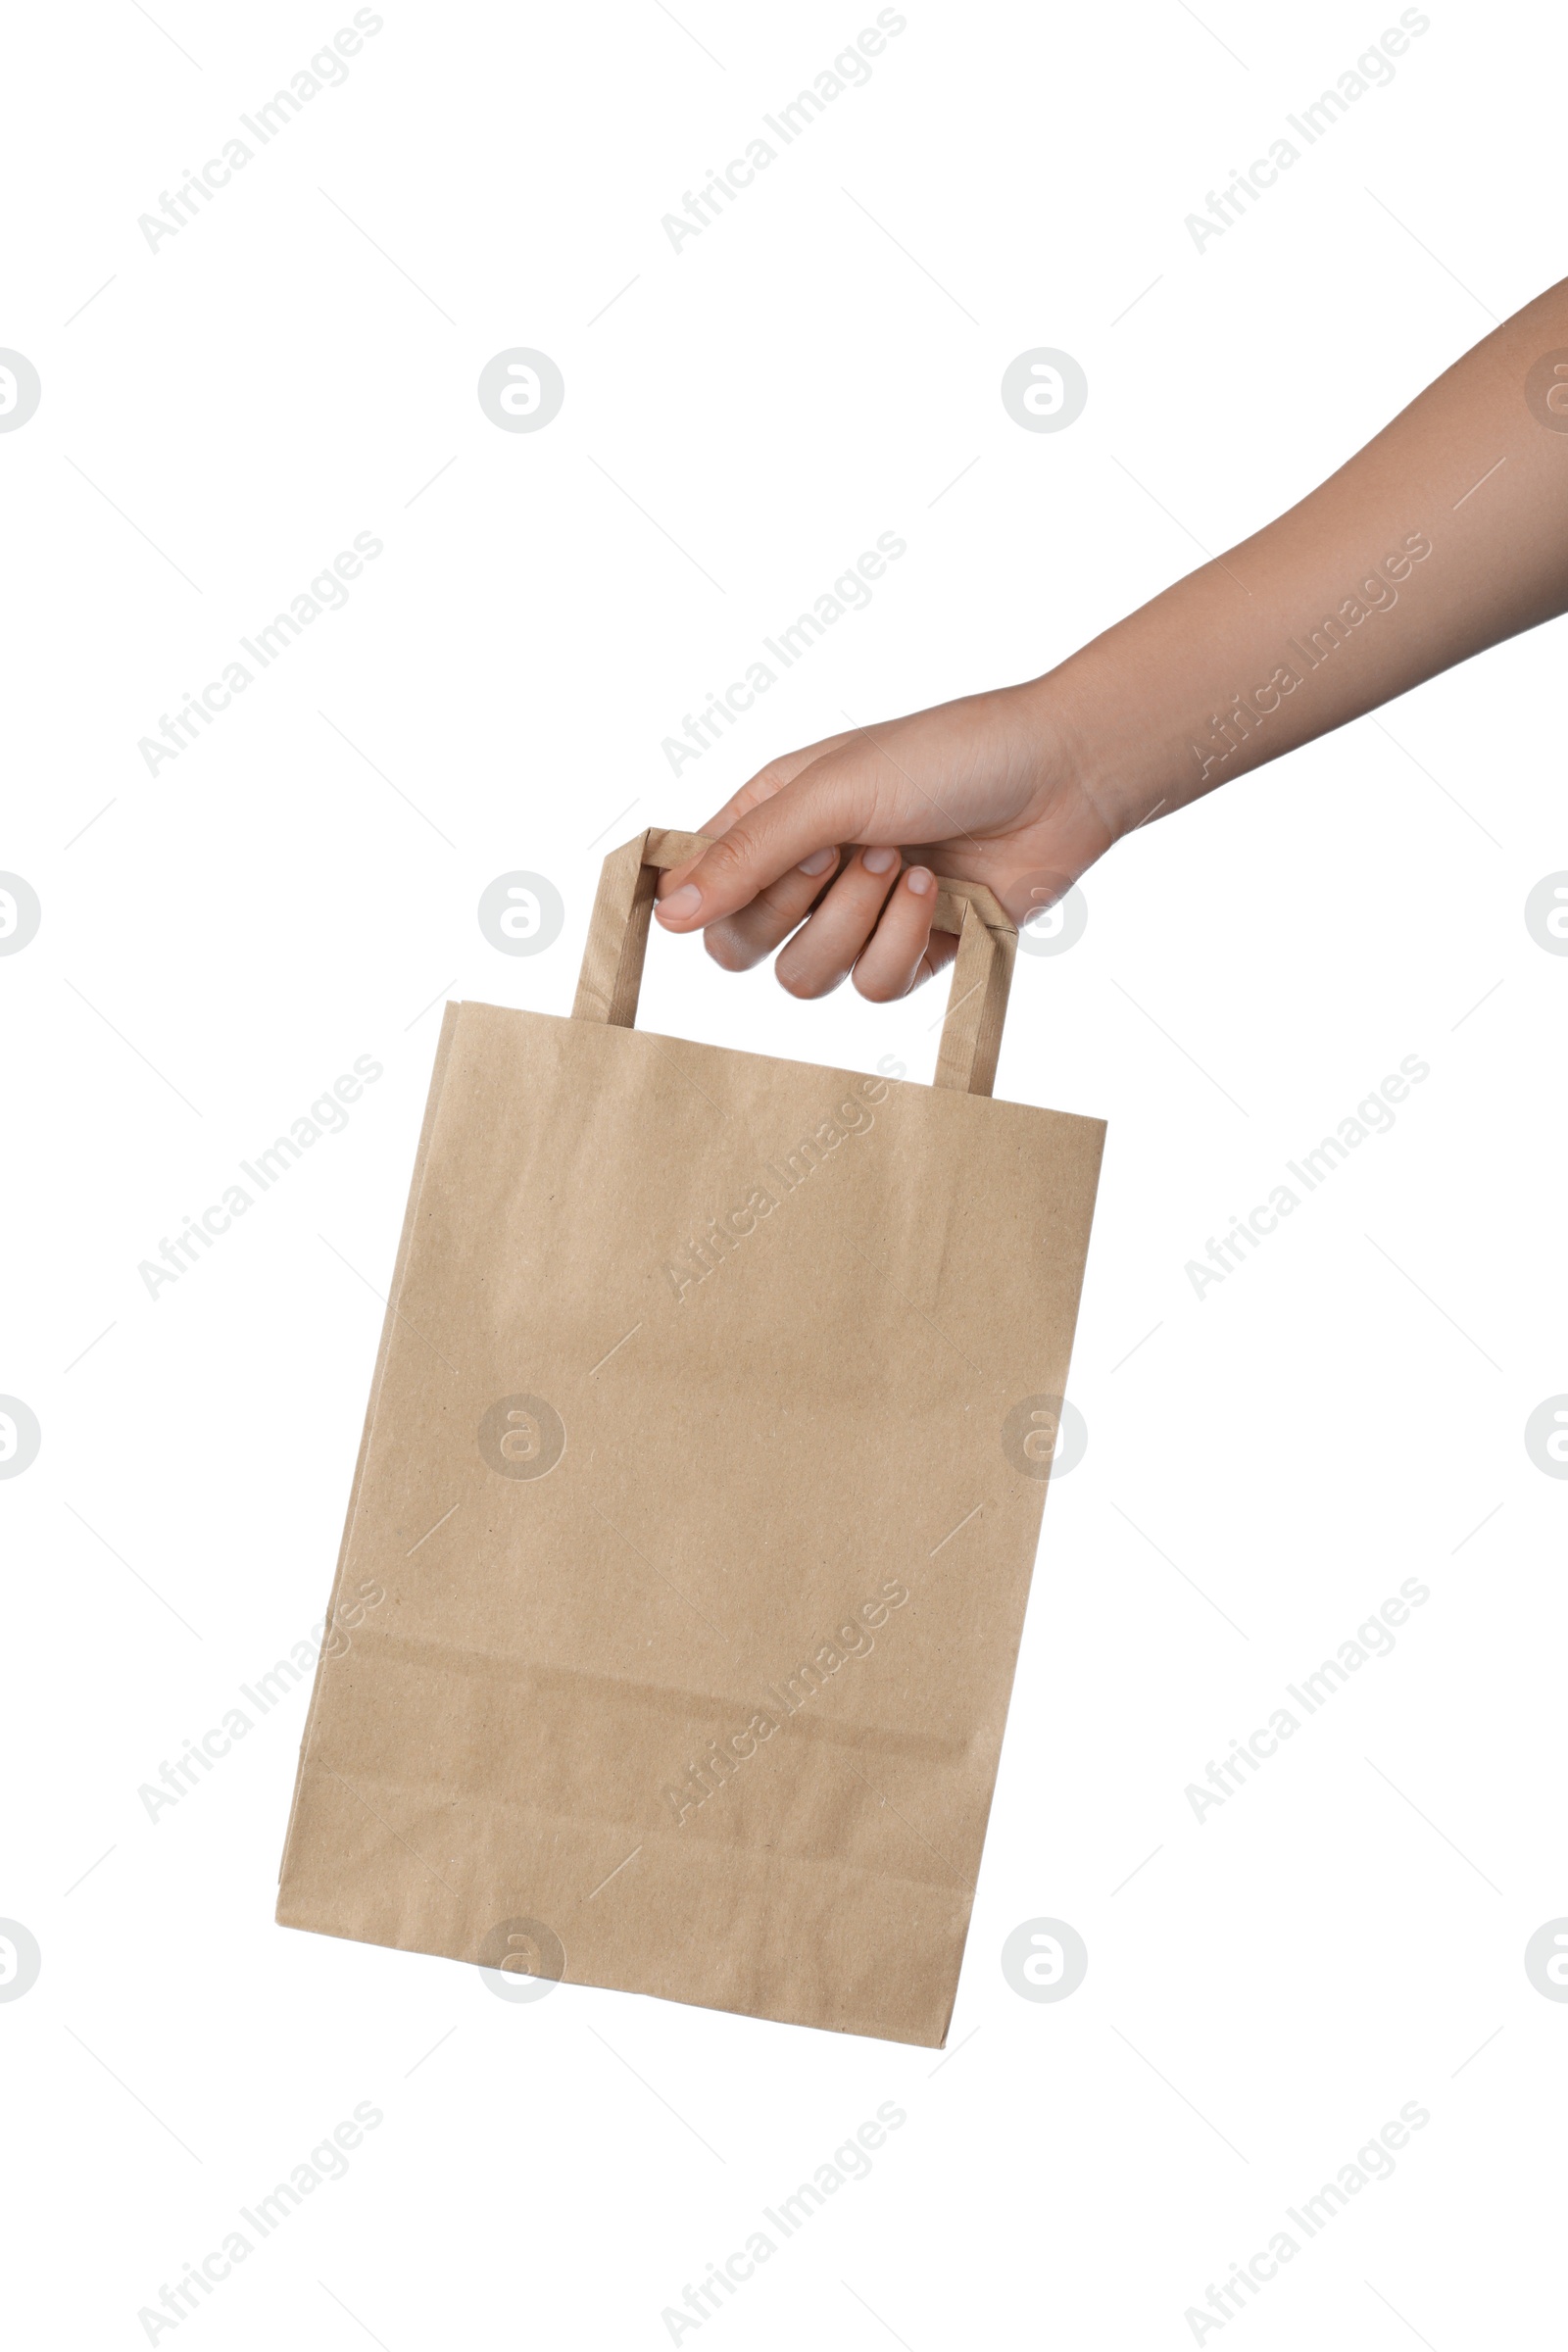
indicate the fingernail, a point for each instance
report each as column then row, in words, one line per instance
column 679, row 903
column 921, row 879
column 877, row 862
column 818, row 862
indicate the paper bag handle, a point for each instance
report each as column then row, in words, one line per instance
column 612, row 973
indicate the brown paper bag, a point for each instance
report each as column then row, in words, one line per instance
column 687, row 1554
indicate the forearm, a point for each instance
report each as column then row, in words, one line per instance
column 1447, row 533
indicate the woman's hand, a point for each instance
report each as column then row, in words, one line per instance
column 815, row 845
column 1320, row 616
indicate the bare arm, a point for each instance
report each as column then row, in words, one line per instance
column 1446, row 534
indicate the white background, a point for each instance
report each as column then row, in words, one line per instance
column 225, row 414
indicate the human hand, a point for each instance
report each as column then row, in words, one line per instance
column 815, row 845
column 1256, row 652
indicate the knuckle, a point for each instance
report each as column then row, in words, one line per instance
column 724, row 864
column 771, row 778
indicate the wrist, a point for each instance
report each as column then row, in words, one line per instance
column 1104, row 753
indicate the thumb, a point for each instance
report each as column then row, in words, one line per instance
column 831, row 800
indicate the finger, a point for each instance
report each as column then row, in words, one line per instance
column 897, row 957
column 742, row 940
column 768, row 780
column 832, row 800
column 824, row 954
column 759, row 788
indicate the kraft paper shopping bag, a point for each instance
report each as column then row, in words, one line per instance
column 702, row 1477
